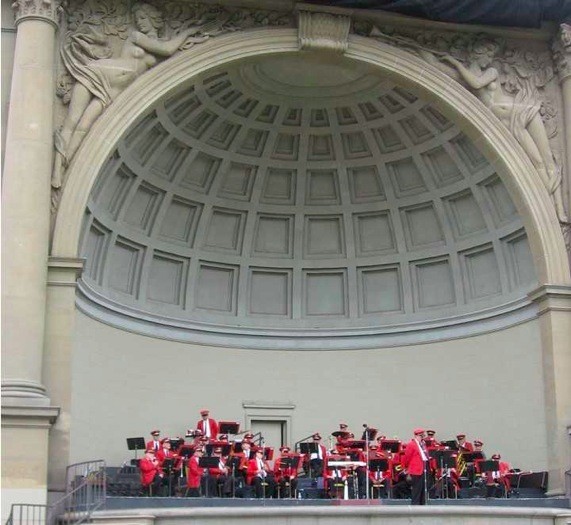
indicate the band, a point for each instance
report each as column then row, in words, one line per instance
column 217, row 460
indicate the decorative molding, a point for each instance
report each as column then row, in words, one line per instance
column 390, row 335
column 323, row 31
column 23, row 416
column 24, row 392
column 272, row 405
column 64, row 271
column 562, row 52
column 552, row 298
column 45, row 10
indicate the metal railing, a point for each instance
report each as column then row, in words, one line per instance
column 27, row 514
column 85, row 492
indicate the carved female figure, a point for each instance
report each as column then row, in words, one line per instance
column 520, row 113
column 101, row 77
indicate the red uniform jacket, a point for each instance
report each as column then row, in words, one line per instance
column 219, row 471
column 253, row 469
column 155, row 445
column 194, row 473
column 201, row 425
column 163, row 454
column 412, row 460
column 466, row 447
column 148, row 468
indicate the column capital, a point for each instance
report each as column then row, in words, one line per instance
column 45, row 10
column 551, row 297
column 562, row 51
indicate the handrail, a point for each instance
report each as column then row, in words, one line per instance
column 85, row 492
column 27, row 514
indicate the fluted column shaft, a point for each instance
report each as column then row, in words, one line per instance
column 26, row 201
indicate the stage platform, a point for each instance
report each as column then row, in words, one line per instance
column 133, row 503
column 169, row 511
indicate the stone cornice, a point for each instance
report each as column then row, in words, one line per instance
column 64, row 271
column 44, row 10
column 23, row 416
column 552, row 298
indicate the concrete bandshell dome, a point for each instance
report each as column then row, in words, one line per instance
column 300, row 247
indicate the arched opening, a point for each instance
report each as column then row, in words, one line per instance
column 530, row 198
column 503, row 154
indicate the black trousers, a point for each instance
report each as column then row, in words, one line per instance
column 270, row 487
column 418, row 488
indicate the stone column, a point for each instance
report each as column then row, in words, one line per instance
column 554, row 310
column 26, row 201
column 26, row 411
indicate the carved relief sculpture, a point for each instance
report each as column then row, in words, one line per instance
column 100, row 77
column 99, row 70
column 509, row 88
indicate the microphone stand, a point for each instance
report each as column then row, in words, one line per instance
column 366, row 461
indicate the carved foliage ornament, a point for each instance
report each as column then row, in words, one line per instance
column 38, row 9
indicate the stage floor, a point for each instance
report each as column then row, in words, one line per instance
column 127, row 503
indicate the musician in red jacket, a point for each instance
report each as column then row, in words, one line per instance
column 154, row 443
column 285, row 472
column 151, row 475
column 316, row 458
column 207, row 425
column 169, row 465
column 463, row 445
column 194, row 474
column 379, row 479
column 415, row 462
column 259, row 473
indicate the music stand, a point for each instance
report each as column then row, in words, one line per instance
column 225, row 449
column 472, row 457
column 309, row 448
column 206, row 463
column 452, row 444
column 186, row 451
column 136, row 444
column 390, row 445
column 289, row 462
column 445, row 459
column 168, row 469
column 371, row 433
column 489, row 465
column 356, row 443
column 228, row 427
column 378, row 465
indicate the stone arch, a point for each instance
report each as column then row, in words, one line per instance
column 517, row 172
